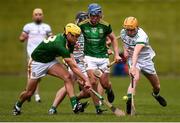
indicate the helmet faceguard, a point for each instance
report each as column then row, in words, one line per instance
column 95, row 13
column 81, row 16
column 94, row 9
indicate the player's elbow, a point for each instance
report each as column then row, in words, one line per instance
column 67, row 77
column 22, row 39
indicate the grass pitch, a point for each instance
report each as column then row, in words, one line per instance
column 147, row 107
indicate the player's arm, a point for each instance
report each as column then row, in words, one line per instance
column 114, row 42
column 136, row 52
column 69, row 59
column 23, row 36
column 49, row 31
column 49, row 34
column 125, row 50
column 108, row 44
column 72, row 64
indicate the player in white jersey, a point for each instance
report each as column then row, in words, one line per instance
column 34, row 33
column 140, row 55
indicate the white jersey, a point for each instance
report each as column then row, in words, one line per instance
column 79, row 54
column 36, row 34
column 79, row 48
column 141, row 37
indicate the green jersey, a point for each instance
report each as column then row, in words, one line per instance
column 51, row 48
column 95, row 38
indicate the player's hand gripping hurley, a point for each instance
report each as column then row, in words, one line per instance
column 98, row 72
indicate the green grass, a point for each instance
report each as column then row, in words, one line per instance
column 159, row 18
column 147, row 107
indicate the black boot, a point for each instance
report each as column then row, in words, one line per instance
column 160, row 99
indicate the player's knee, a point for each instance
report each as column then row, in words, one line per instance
column 93, row 83
column 67, row 77
column 106, row 85
column 92, row 80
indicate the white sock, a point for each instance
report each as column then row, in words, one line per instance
column 37, row 97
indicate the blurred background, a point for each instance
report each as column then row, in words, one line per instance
column 158, row 18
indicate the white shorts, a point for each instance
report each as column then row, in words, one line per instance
column 82, row 66
column 97, row 63
column 145, row 66
column 37, row 69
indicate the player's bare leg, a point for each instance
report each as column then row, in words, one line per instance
column 36, row 94
column 93, row 80
column 104, row 80
column 154, row 80
column 25, row 95
column 60, row 95
column 82, row 95
column 59, row 71
column 100, row 89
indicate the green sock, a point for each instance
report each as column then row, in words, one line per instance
column 97, row 107
column 156, row 93
column 129, row 96
column 53, row 107
column 19, row 104
column 73, row 101
column 108, row 90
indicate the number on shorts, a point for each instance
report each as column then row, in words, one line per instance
column 50, row 39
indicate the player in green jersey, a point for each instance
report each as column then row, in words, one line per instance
column 78, row 54
column 44, row 62
column 95, row 32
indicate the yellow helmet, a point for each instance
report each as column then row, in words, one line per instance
column 72, row 28
column 130, row 23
